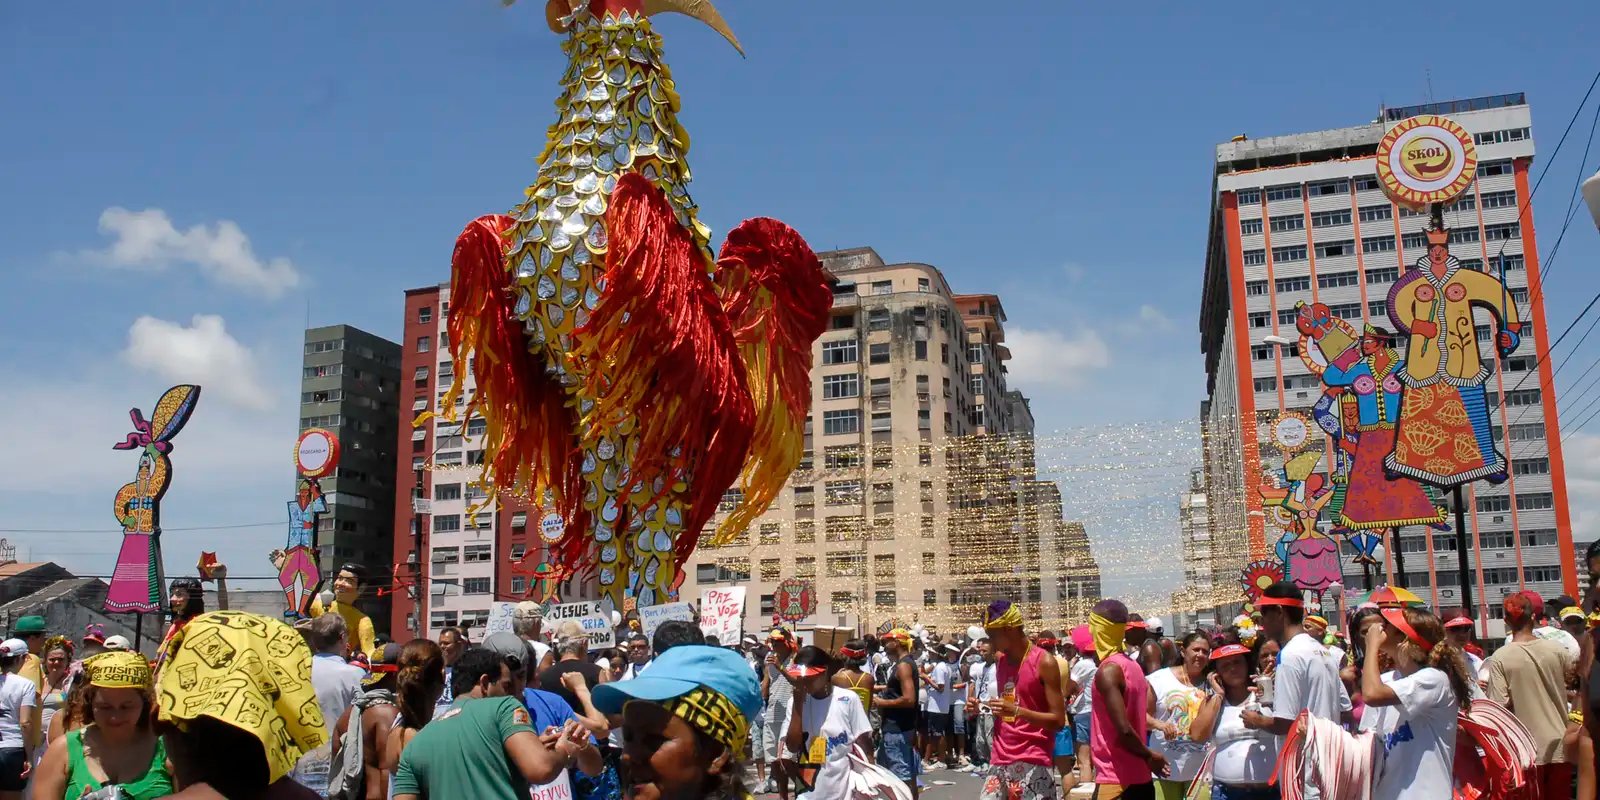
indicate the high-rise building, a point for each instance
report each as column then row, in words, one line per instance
column 457, row 544
column 1194, row 533
column 1301, row 218
column 349, row 384
column 918, row 470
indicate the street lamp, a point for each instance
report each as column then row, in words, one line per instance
column 1281, row 341
column 1591, row 196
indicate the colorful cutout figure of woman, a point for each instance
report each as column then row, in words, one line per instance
column 1311, row 558
column 1443, row 435
column 136, row 583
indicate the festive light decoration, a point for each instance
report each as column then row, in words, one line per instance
column 627, row 377
column 137, row 584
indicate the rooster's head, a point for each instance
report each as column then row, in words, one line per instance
column 561, row 13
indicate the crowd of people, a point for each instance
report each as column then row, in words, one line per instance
column 237, row 705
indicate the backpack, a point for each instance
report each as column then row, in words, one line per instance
column 347, row 776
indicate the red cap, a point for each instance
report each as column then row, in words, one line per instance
column 1229, row 650
column 1138, row 623
column 1459, row 622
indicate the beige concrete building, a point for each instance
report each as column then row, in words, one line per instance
column 917, row 498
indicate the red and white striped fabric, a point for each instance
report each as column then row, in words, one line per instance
column 1320, row 753
column 1494, row 753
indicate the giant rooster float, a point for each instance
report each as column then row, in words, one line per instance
column 629, row 377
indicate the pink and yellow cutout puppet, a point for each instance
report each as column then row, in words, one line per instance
column 136, row 582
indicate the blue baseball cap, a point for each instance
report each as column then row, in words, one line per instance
column 681, row 670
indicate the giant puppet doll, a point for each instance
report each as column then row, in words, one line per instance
column 1442, row 435
column 629, row 376
column 136, row 581
column 1362, row 375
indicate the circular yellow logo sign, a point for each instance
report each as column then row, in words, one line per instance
column 1426, row 159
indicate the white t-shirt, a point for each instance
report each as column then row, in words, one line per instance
column 1243, row 755
column 16, row 693
column 1083, row 672
column 937, row 699
column 831, row 725
column 540, row 650
column 1177, row 703
column 981, row 684
column 1307, row 679
column 1418, row 737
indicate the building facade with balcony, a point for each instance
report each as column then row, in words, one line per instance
column 916, row 499
column 350, row 385
column 1302, row 218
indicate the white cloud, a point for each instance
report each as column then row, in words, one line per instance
column 203, row 353
column 1050, row 358
column 148, row 240
column 1581, row 454
column 1154, row 319
column 1074, row 272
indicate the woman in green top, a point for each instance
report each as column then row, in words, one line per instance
column 119, row 747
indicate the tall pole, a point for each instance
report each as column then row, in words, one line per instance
column 1463, row 574
column 1399, row 557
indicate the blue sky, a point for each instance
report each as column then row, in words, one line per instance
column 1056, row 155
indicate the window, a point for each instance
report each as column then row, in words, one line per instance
column 1493, row 503
column 1291, row 253
column 841, row 602
column 735, row 569
column 1345, row 247
column 1375, row 213
column 805, row 567
column 845, row 421
column 425, row 315
column 924, row 456
column 1462, row 235
column 421, row 375
column 1249, row 226
column 976, row 384
column 878, row 353
column 842, row 351
column 1530, row 466
column 1542, row 574
column 837, row 386
column 424, row 343
column 925, row 525
column 1291, row 192
column 1333, row 280
column 446, row 523
column 1299, row 284
column 1261, row 352
column 881, row 421
column 1255, row 288
column 930, row 598
column 1497, row 540
column 1516, row 398
column 842, row 322
column 477, row 553
column 924, row 285
column 1378, row 308
column 442, row 619
column 878, row 319
column 446, row 555
column 1383, row 274
column 1366, row 183
column 919, row 349
column 805, row 530
column 1377, row 244
column 928, row 563
column 1255, row 258
column 842, row 493
column 1506, row 199
column 1495, row 233
column 770, row 569
column 329, row 346
column 1260, row 319
column 448, row 442
column 883, row 598
column 323, row 421
column 1490, row 168
column 846, row 565
column 1249, row 197
column 1539, row 501
column 1346, row 311
column 1539, row 537
column 924, row 420
column 1500, row 137
column 447, row 491
column 1266, row 384
column 1287, row 316
column 1288, row 222
column 883, row 287
column 1328, row 219
column 1526, row 432
column 1326, row 188
column 841, row 456
column 883, row 565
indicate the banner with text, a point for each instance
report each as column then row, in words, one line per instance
column 651, row 617
column 589, row 614
column 722, row 614
column 499, row 619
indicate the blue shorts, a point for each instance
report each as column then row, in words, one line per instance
column 897, row 754
column 959, row 713
column 1064, row 742
column 1080, row 728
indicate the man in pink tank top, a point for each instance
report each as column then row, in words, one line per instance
column 1027, row 714
column 1124, row 768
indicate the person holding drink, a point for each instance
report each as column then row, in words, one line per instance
column 1027, row 714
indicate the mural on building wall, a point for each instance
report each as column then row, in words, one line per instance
column 628, row 377
column 136, row 582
